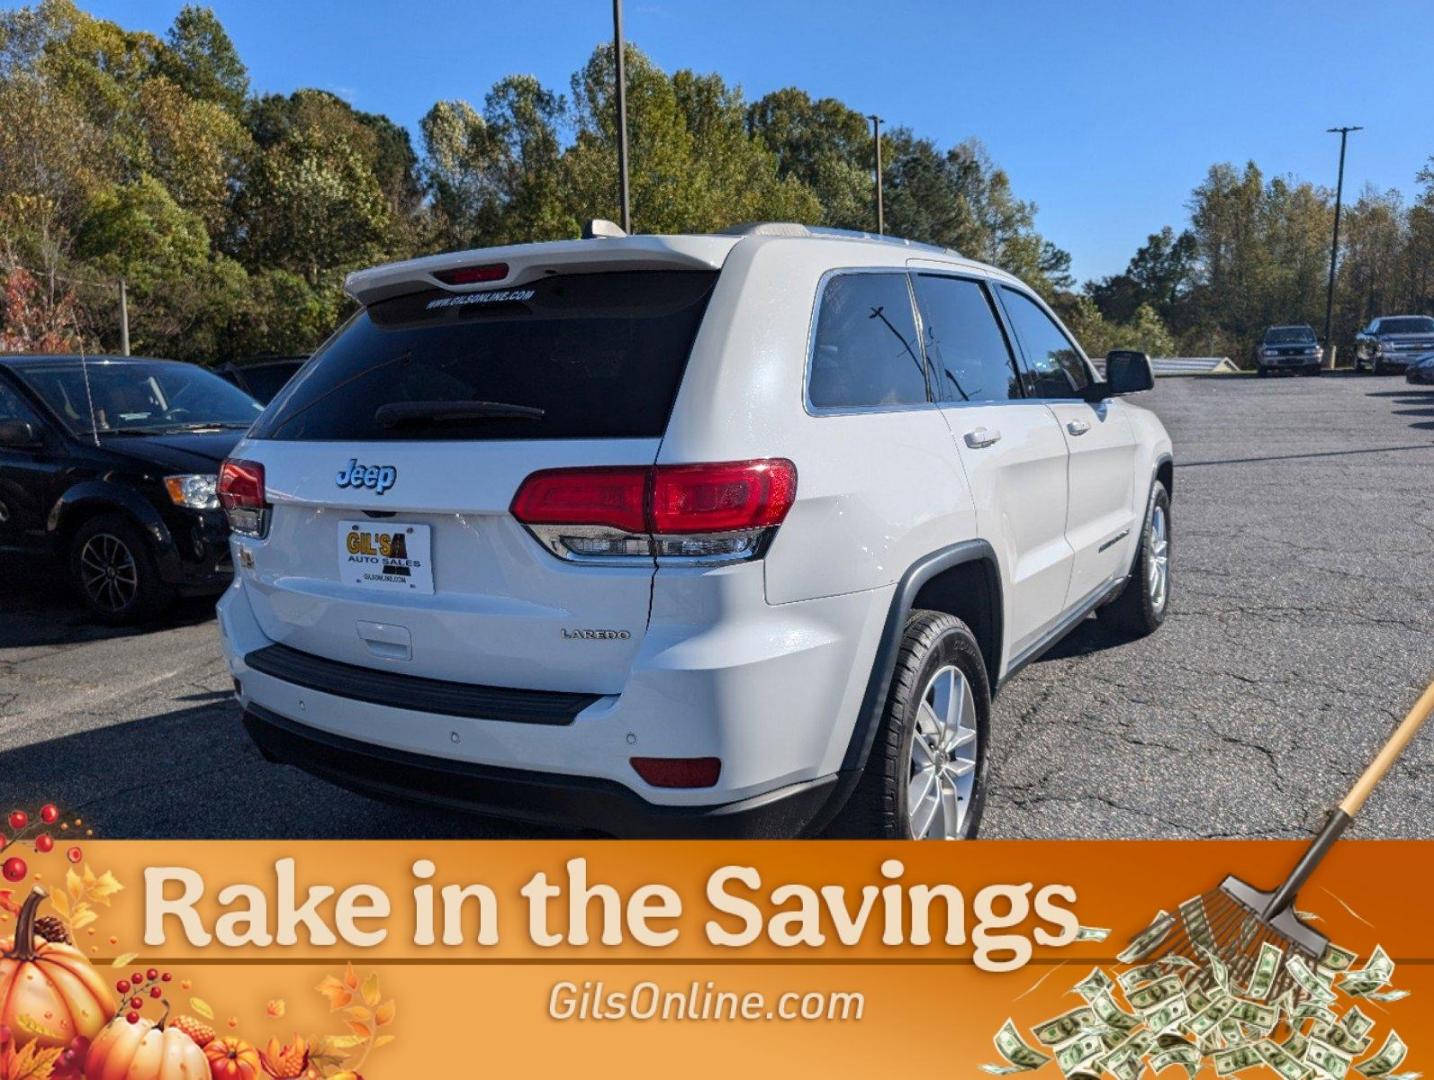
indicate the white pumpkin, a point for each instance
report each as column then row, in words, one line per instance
column 144, row 1051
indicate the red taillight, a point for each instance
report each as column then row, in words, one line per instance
column 664, row 499
column 611, row 497
column 722, row 498
column 241, row 493
column 473, row 275
column 241, row 484
column 678, row 772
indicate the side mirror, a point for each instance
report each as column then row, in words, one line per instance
column 1128, row 372
column 20, row 435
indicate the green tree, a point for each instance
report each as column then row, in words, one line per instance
column 199, row 57
column 826, row 146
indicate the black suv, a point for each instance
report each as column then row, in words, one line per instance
column 110, row 464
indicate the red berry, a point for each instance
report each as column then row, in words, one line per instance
column 132, row 1017
column 122, row 986
column 44, row 843
column 137, row 978
column 136, row 1003
column 74, row 854
column 14, row 869
column 155, row 991
column 19, row 819
column 49, row 813
column 152, row 974
column 166, row 977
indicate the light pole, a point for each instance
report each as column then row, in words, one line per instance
column 621, row 117
column 876, row 141
column 1334, row 243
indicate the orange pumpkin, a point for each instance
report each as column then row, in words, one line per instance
column 49, row 994
column 144, row 1051
column 232, row 1059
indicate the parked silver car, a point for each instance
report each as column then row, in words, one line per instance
column 1393, row 342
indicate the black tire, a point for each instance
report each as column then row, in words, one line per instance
column 1262, row 371
column 877, row 809
column 1135, row 612
column 1378, row 368
column 134, row 592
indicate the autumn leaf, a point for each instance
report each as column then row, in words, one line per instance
column 74, row 885
column 359, row 1013
column 33, row 1063
column 276, row 1008
column 338, row 994
column 61, row 903
column 123, row 960
column 371, row 993
column 202, row 1007
column 338, row 1042
column 383, row 1015
column 383, row 1040
column 101, row 889
column 84, row 915
column 363, row 1031
column 351, row 979
column 7, row 902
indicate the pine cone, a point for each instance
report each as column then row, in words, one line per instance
column 52, row 929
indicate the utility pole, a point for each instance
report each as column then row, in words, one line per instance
column 621, row 117
column 876, row 141
column 1334, row 243
column 124, row 319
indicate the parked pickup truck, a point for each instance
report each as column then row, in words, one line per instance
column 1392, row 342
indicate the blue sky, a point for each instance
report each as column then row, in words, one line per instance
column 1104, row 114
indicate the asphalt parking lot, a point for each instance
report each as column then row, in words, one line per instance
column 1302, row 626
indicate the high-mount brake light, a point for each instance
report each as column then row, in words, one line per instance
column 473, row 275
column 718, row 512
column 241, row 493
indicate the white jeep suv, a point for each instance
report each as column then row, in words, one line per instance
column 684, row 535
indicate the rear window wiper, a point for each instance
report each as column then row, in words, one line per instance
column 400, row 413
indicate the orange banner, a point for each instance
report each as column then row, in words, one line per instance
column 848, row 957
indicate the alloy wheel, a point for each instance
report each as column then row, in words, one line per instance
column 1159, row 572
column 941, row 774
column 108, row 572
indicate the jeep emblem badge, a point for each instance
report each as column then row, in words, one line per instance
column 378, row 477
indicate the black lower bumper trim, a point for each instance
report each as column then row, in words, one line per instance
column 545, row 798
column 417, row 693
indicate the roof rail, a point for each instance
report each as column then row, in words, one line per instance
column 791, row 228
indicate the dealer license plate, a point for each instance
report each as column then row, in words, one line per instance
column 386, row 555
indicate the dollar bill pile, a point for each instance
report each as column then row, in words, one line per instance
column 1194, row 1012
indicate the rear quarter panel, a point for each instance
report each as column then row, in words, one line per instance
column 875, row 491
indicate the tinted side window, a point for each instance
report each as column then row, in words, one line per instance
column 866, row 352
column 13, row 407
column 969, row 357
column 1054, row 369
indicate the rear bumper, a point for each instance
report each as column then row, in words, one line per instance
column 543, row 798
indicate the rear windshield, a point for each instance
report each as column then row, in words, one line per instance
column 580, row 356
column 1289, row 335
column 1412, row 324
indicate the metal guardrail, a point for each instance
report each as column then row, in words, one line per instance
column 1184, row 365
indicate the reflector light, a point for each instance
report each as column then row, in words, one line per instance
column 678, row 772
column 472, row 275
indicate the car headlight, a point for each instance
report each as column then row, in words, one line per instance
column 193, row 490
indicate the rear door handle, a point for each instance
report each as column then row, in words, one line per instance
column 1077, row 427
column 982, row 437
